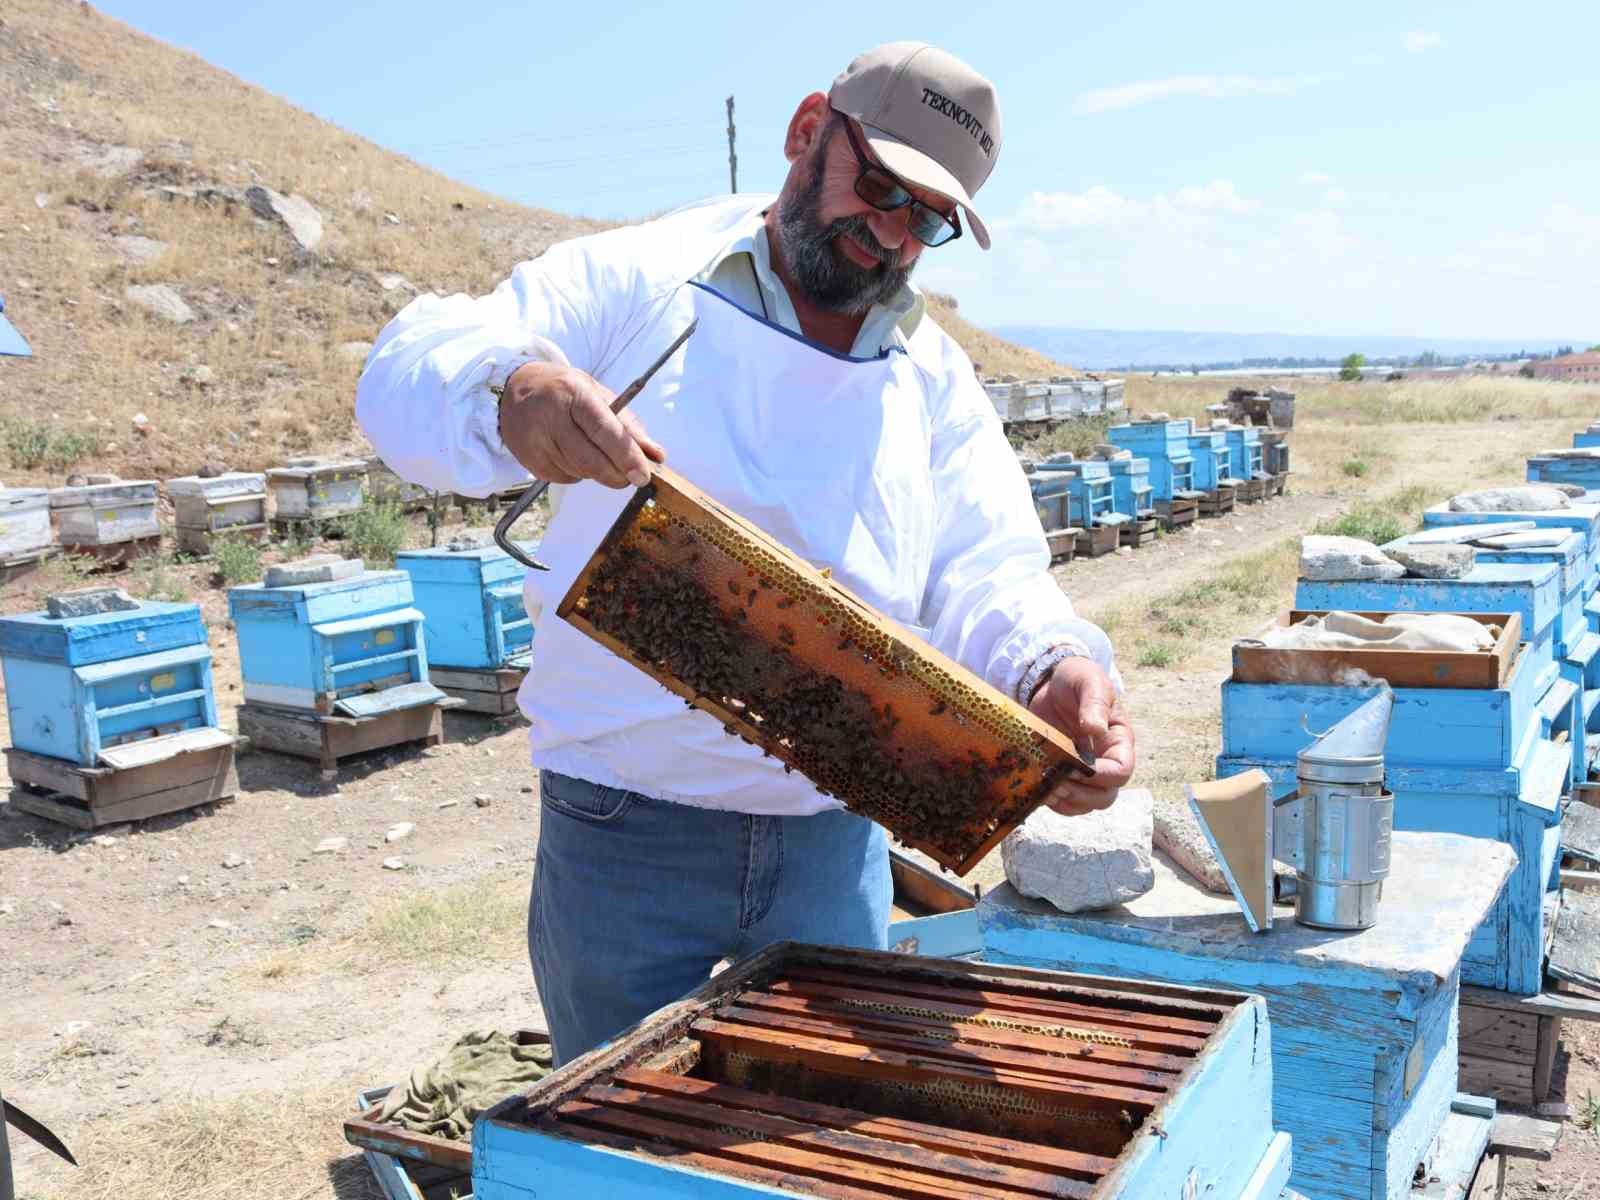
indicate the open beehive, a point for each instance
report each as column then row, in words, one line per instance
column 854, row 1074
column 740, row 627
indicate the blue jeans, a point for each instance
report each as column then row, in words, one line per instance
column 635, row 900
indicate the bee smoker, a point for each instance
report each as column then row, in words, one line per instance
column 1334, row 829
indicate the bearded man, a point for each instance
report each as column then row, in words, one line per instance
column 819, row 401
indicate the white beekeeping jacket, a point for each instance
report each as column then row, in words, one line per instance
column 892, row 471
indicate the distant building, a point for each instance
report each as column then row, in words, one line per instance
column 1572, row 368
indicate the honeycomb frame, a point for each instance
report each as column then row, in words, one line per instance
column 727, row 618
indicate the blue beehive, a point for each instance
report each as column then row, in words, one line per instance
column 79, row 685
column 1089, row 499
column 470, row 595
column 1244, row 452
column 1587, row 437
column 1365, row 1024
column 1165, row 446
column 1472, row 761
column 1583, row 516
column 1050, row 490
column 342, row 633
column 1212, row 463
column 1131, row 493
column 1580, row 465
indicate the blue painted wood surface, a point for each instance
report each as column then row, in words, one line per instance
column 1165, row 446
column 1585, row 472
column 940, row 935
column 1583, row 517
column 1131, row 493
column 77, row 685
column 1363, row 1024
column 1244, row 452
column 1050, row 492
column 472, row 604
column 1585, row 438
column 307, row 645
column 1217, row 1140
column 1088, row 490
column 1517, row 806
column 1212, row 462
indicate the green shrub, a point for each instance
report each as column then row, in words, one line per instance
column 1367, row 523
column 1156, row 654
column 238, row 560
column 34, row 444
column 1355, row 467
column 376, row 533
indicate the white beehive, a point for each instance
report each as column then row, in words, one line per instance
column 24, row 523
column 316, row 488
column 105, row 514
column 234, row 502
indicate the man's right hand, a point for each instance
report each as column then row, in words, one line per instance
column 557, row 422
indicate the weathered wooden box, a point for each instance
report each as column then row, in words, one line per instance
column 1254, row 662
column 730, row 620
column 234, row 503
column 78, row 686
column 471, row 601
column 25, row 528
column 1580, row 465
column 105, row 514
column 1364, row 1025
column 812, row 1071
column 1165, row 446
column 319, row 646
column 316, row 489
column 1050, row 491
column 1090, row 501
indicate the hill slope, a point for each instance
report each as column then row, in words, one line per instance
column 123, row 163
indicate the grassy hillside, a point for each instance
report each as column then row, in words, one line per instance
column 123, row 162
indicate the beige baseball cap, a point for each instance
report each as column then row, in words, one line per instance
column 929, row 117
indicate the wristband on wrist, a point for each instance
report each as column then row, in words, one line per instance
column 1033, row 678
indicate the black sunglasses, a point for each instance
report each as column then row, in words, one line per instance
column 878, row 187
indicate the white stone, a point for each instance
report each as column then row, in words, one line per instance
column 1435, row 562
column 447, row 804
column 394, row 864
column 483, row 800
column 1176, row 831
column 399, row 831
column 331, row 845
column 1078, row 863
column 1532, row 497
column 317, row 568
column 1441, row 534
column 356, row 351
column 295, row 213
column 161, row 301
column 1327, row 556
column 139, row 249
column 218, row 923
column 391, row 282
column 233, row 860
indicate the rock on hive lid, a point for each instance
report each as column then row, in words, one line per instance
column 470, row 539
column 317, row 568
column 89, row 602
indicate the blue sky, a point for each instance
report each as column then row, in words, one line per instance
column 1401, row 168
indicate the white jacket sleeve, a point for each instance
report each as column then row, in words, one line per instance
column 991, row 600
column 428, row 398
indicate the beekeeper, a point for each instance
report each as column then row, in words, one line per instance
column 818, row 400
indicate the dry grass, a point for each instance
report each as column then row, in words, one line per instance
column 485, row 920
column 992, row 355
column 287, row 1145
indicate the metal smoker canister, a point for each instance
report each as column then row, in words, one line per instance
column 1345, row 819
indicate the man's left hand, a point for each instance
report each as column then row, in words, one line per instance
column 1079, row 699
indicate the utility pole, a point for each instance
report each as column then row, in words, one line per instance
column 733, row 159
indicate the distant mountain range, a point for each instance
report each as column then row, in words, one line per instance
column 1097, row 349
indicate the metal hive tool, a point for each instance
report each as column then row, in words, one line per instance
column 729, row 619
column 858, row 1075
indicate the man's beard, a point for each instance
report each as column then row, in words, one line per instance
column 819, row 268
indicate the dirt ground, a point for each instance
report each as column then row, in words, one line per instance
column 195, row 1029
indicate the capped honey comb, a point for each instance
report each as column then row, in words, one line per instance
column 787, row 658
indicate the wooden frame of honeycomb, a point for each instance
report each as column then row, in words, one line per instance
column 729, row 619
